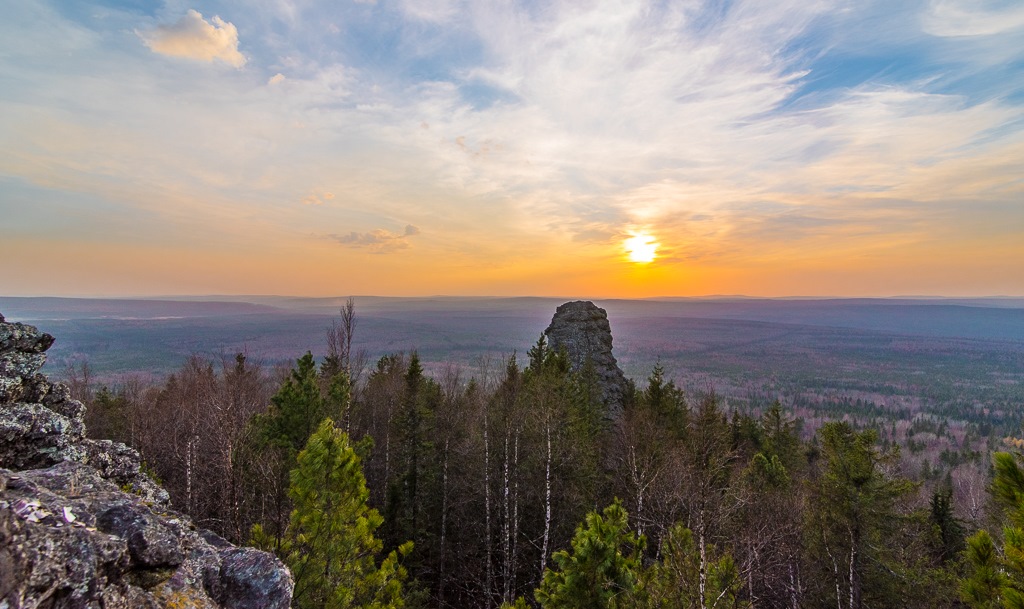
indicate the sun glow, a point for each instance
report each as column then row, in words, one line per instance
column 641, row 248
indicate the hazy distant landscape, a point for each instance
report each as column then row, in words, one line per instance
column 904, row 355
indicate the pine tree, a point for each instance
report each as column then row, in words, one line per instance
column 409, row 498
column 951, row 531
column 330, row 545
column 994, row 579
column 675, row 581
column 666, row 401
column 603, row 570
column 982, row 588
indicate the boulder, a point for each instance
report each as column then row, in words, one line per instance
column 82, row 526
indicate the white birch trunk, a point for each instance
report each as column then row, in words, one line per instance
column 547, row 503
column 444, row 523
column 506, row 536
column 489, row 581
column 703, row 571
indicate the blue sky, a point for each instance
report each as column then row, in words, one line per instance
column 437, row 146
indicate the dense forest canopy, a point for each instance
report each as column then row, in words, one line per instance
column 391, row 487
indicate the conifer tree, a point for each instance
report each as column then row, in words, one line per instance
column 855, row 509
column 409, row 497
column 295, row 411
column 330, row 545
column 997, row 579
column 603, row 570
column 297, row 408
column 675, row 581
column 951, row 531
column 665, row 401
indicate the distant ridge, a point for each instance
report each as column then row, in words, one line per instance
column 58, row 308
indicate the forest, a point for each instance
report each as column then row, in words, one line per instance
column 383, row 486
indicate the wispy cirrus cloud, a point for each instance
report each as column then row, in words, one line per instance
column 519, row 133
column 972, row 18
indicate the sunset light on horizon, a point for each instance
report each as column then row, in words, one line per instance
column 422, row 147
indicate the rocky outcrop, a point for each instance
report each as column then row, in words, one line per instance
column 82, row 526
column 582, row 329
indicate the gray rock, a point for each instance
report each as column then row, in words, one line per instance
column 11, row 389
column 244, row 589
column 23, row 338
column 32, row 435
column 150, row 542
column 582, row 329
column 122, row 465
column 18, row 364
column 81, row 526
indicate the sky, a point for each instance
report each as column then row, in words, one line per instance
column 509, row 148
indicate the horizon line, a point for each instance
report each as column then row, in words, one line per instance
column 224, row 297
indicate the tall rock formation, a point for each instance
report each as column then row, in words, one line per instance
column 82, row 526
column 582, row 329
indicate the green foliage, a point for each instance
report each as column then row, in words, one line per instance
column 981, row 589
column 995, row 580
column 1008, row 487
column 295, row 411
column 951, row 531
column 330, row 545
column 674, row 582
column 603, row 570
column 666, row 402
column 769, row 470
column 108, row 415
column 545, row 360
column 855, row 517
column 299, row 406
column 410, row 491
column 781, row 436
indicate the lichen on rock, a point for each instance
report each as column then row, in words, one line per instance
column 70, row 534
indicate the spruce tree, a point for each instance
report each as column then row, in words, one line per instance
column 295, row 411
column 855, row 518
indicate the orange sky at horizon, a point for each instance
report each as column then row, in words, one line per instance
column 99, row 270
column 761, row 149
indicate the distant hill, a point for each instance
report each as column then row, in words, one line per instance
column 878, row 346
column 52, row 308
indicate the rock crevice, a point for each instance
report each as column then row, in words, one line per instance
column 82, row 526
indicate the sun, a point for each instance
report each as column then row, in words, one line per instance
column 641, row 248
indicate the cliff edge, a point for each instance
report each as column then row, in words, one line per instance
column 82, row 526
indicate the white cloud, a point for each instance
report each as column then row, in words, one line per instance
column 594, row 117
column 972, row 18
column 318, row 198
column 378, row 240
column 193, row 37
column 435, row 11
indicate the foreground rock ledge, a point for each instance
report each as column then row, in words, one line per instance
column 81, row 526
